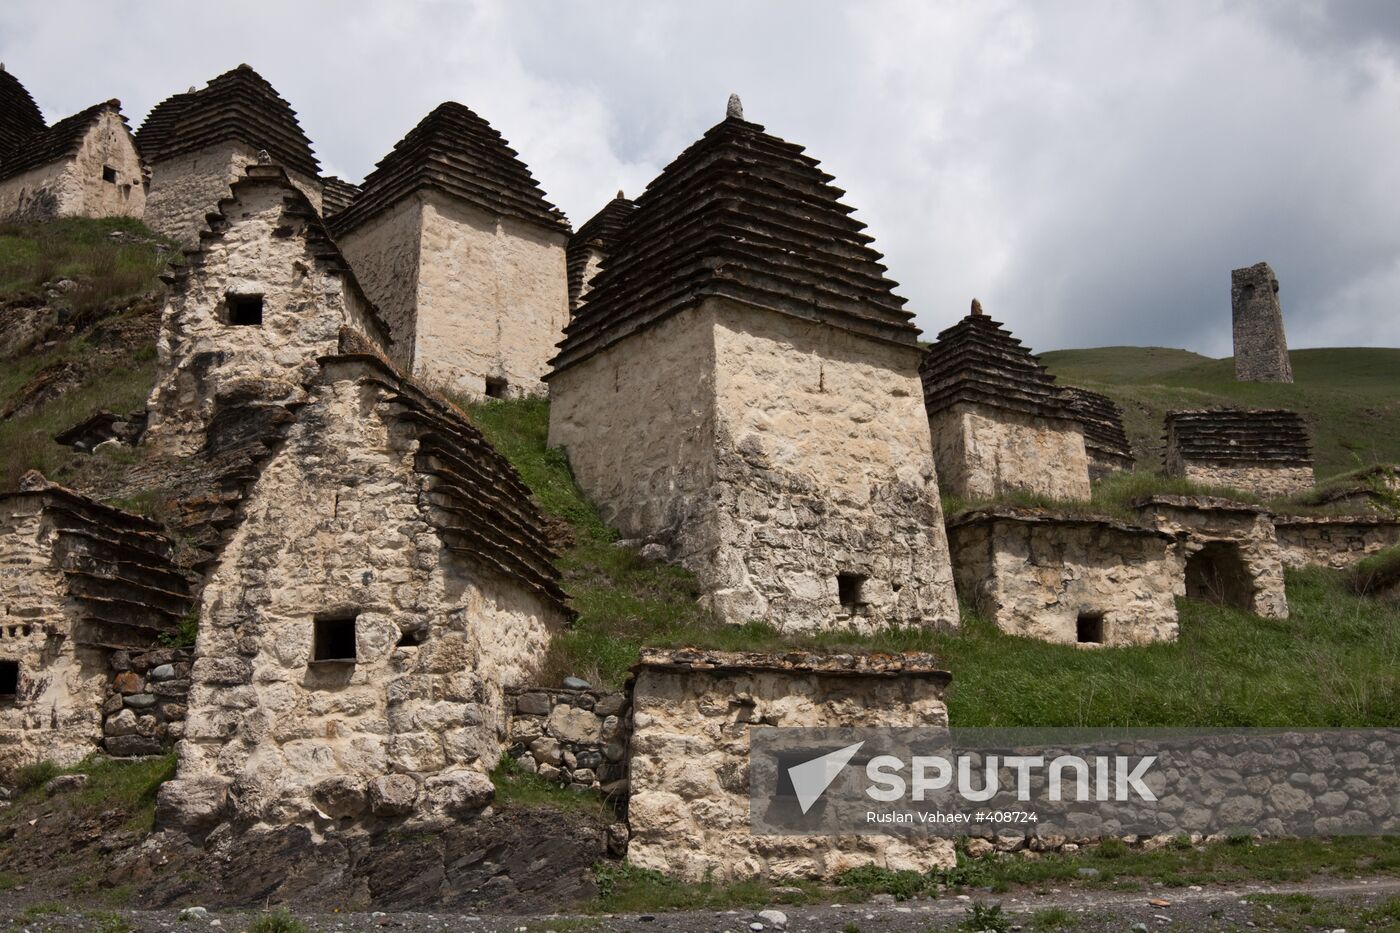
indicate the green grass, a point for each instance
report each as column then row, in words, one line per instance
column 82, row 250
column 1306, row 912
column 515, row 785
column 126, row 784
column 1347, row 395
column 625, row 888
column 1378, row 572
column 279, row 921
column 1333, row 663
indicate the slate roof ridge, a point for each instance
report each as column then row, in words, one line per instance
column 20, row 117
column 599, row 232
column 336, row 194
column 239, row 105
column 456, row 151
column 56, row 142
column 744, row 215
column 1103, row 420
column 1263, row 435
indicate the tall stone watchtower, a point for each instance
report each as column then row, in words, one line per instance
column 1261, row 352
column 741, row 384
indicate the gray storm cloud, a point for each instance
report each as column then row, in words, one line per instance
column 1092, row 171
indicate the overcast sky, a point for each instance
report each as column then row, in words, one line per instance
column 1092, row 171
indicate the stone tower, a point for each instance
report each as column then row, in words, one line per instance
column 198, row 143
column 1261, row 352
column 453, row 239
column 741, row 384
column 594, row 240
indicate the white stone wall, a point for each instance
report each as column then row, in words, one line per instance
column 689, row 765
column 74, row 186
column 57, row 714
column 190, row 185
column 336, row 524
column 384, row 252
column 1266, row 481
column 493, row 299
column 984, row 452
column 1252, row 531
column 1336, row 542
column 1035, row 578
column 770, row 455
column 202, row 357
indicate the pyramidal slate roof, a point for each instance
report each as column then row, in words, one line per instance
column 237, row 106
column 1103, row 422
column 978, row 361
column 740, row 214
column 57, row 142
column 1229, row 435
column 599, row 233
column 19, row 115
column 458, row 153
column 336, row 194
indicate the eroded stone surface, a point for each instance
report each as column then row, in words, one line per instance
column 691, row 713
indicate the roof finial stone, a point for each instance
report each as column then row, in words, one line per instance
column 735, row 108
column 976, row 308
column 620, row 194
column 264, row 157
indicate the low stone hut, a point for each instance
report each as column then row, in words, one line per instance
column 998, row 420
column 592, row 241
column 263, row 297
column 692, row 714
column 198, row 143
column 79, row 581
column 453, row 239
column 1262, row 451
column 740, row 384
column 1067, row 578
column 1232, row 552
column 83, row 166
column 389, row 579
column 1104, row 439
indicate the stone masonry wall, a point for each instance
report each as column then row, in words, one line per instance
column 689, row 806
column 577, row 738
column 56, row 714
column 336, row 527
column 74, row 186
column 770, row 456
column 1266, row 481
column 146, row 703
column 1205, row 520
column 186, row 187
column 984, row 452
column 384, row 252
column 203, row 359
column 492, row 302
column 1036, row 575
column 1333, row 541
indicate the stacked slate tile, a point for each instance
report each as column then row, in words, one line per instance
column 237, row 106
column 458, row 153
column 121, row 586
column 746, row 216
column 596, row 236
column 19, row 115
column 1271, row 436
column 1104, row 438
column 977, row 361
column 56, row 143
column 336, row 194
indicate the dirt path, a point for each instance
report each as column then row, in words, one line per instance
column 1326, row 905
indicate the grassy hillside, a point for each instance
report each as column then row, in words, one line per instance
column 1349, row 395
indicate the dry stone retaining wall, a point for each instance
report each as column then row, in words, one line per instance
column 577, row 738
column 145, row 709
column 1333, row 541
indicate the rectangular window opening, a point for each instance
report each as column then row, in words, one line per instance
column 334, row 639
column 496, row 388
column 1088, row 628
column 9, row 680
column 245, row 310
column 849, row 588
column 109, row 174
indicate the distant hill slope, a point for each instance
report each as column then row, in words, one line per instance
column 1349, row 395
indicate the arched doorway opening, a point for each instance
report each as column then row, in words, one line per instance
column 1217, row 574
